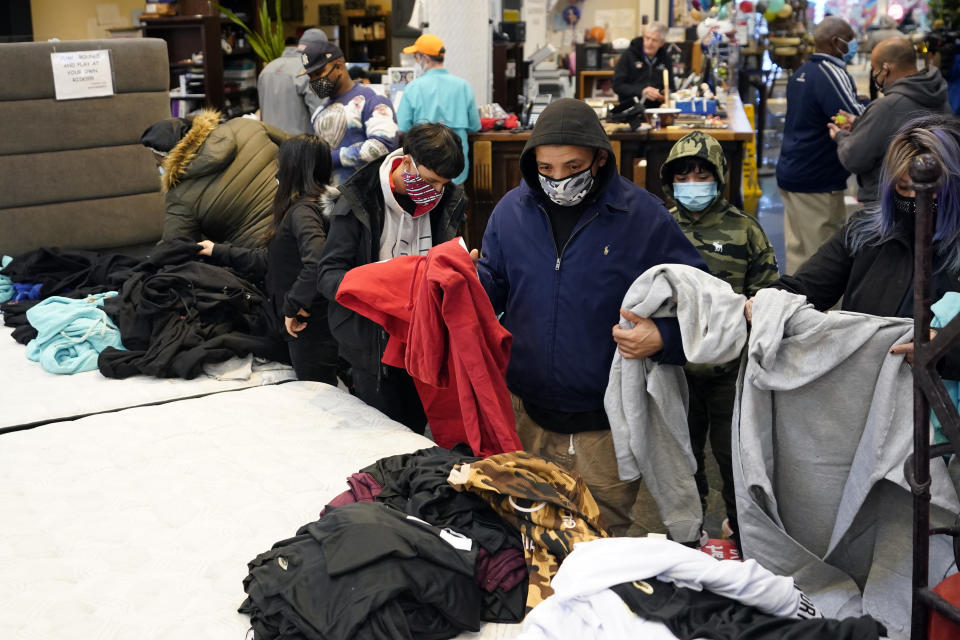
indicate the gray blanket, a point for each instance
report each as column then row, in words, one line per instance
column 823, row 426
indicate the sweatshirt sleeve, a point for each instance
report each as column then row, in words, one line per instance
column 676, row 249
column 251, row 262
column 308, row 229
column 822, row 278
column 862, row 148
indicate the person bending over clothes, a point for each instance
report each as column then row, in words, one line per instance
column 287, row 259
column 217, row 176
column 737, row 251
column 559, row 253
column 869, row 262
column 399, row 205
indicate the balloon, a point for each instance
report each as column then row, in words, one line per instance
column 714, row 10
column 706, row 3
column 770, row 15
column 722, row 13
column 785, row 12
column 695, row 15
column 746, row 6
column 775, row 5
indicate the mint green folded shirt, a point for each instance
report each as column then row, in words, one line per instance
column 71, row 333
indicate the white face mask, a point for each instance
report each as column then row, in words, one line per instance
column 160, row 169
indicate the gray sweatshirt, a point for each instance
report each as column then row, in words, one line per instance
column 820, row 435
column 646, row 402
column 861, row 149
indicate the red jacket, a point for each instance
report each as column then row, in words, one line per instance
column 444, row 332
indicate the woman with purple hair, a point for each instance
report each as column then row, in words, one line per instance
column 869, row 262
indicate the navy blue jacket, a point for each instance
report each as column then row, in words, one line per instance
column 561, row 309
column 808, row 157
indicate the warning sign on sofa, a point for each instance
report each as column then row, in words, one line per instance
column 82, row 74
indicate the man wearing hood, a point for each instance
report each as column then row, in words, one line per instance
column 639, row 71
column 907, row 94
column 737, row 251
column 560, row 252
column 219, row 178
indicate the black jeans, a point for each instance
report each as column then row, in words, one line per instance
column 393, row 394
column 314, row 357
column 711, row 411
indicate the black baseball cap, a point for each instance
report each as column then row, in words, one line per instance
column 316, row 54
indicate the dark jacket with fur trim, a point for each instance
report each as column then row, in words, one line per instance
column 219, row 180
column 356, row 223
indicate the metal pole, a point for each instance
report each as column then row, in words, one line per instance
column 925, row 174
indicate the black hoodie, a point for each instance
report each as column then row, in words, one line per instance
column 635, row 72
column 569, row 124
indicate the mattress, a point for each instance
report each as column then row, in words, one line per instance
column 33, row 396
column 139, row 523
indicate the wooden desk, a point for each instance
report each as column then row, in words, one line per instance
column 495, row 162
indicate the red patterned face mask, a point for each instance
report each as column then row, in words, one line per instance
column 420, row 191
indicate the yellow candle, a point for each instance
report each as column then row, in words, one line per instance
column 666, row 89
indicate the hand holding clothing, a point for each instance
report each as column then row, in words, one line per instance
column 206, row 248
column 641, row 341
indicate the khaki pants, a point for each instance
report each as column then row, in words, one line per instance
column 591, row 455
column 809, row 220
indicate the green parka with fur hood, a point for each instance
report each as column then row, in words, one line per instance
column 219, row 180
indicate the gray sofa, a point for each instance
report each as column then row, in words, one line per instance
column 72, row 172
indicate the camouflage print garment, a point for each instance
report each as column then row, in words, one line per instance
column 550, row 506
column 731, row 242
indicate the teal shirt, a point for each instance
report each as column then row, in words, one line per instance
column 437, row 96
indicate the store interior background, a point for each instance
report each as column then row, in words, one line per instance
column 24, row 20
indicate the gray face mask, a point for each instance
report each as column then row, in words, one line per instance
column 568, row 191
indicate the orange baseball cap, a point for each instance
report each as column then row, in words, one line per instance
column 427, row 44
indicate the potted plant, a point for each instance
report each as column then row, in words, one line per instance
column 268, row 43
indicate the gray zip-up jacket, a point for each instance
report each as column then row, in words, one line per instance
column 861, row 149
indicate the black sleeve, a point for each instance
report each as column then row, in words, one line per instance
column 625, row 83
column 822, row 278
column 339, row 254
column 251, row 262
column 308, row 228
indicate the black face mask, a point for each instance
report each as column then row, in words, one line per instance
column 324, row 86
column 875, row 79
column 905, row 209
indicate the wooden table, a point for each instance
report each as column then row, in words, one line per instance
column 495, row 161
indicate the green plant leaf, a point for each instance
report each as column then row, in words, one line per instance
column 268, row 42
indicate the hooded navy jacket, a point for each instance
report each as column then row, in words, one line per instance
column 561, row 305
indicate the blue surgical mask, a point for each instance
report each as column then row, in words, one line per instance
column 851, row 50
column 160, row 170
column 694, row 196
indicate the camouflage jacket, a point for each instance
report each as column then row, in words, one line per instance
column 732, row 243
column 550, row 506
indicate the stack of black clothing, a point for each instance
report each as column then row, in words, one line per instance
column 423, row 561
column 416, row 484
column 71, row 274
column 174, row 311
column 363, row 571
